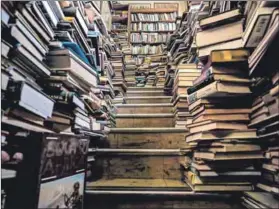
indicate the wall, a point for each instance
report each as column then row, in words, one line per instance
column 182, row 4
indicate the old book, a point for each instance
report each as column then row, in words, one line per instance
column 267, row 200
column 219, row 34
column 224, row 134
column 212, row 125
column 65, row 60
column 27, row 116
column 222, row 70
column 31, row 99
column 229, row 147
column 229, row 55
column 20, row 54
column 59, row 119
column 256, row 28
column 219, row 89
column 225, row 117
column 228, row 156
column 220, row 103
column 204, row 110
column 220, row 19
column 234, row 44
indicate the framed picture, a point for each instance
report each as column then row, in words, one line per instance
column 166, row 5
column 140, row 5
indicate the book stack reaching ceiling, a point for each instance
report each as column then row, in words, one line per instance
column 184, row 76
column 234, row 102
column 220, row 107
column 58, row 65
column 119, row 30
column 130, row 70
column 119, row 34
column 263, row 43
column 182, row 70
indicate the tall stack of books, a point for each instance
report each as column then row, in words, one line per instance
column 184, row 76
column 226, row 149
column 130, row 70
column 118, row 81
column 51, row 62
column 265, row 107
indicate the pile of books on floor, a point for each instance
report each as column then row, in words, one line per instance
column 150, row 38
column 138, row 27
column 130, row 70
column 184, row 76
column 118, row 80
column 153, row 17
column 226, row 149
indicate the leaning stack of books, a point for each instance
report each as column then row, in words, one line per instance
column 265, row 108
column 226, row 149
column 229, row 24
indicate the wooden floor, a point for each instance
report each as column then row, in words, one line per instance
column 164, row 184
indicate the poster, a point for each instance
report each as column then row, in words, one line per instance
column 62, row 171
column 63, row 193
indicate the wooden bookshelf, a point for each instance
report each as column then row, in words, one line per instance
column 116, row 8
column 149, row 11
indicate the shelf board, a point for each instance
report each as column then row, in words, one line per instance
column 146, row 31
column 154, row 10
column 151, row 21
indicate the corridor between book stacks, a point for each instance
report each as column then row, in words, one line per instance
column 129, row 104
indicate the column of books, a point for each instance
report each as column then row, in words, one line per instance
column 263, row 69
column 56, row 95
column 181, row 71
column 234, row 102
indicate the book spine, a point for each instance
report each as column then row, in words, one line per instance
column 209, row 78
column 204, row 92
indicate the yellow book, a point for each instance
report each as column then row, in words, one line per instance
column 230, row 55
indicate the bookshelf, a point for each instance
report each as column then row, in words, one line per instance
column 119, row 17
column 150, row 26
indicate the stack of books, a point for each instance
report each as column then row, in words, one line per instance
column 184, row 76
column 130, row 70
column 52, row 92
column 265, row 107
column 229, row 24
column 220, row 108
